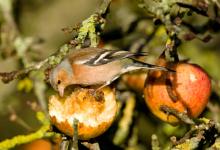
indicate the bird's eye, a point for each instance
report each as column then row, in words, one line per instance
column 58, row 82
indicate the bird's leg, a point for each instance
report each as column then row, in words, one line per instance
column 96, row 93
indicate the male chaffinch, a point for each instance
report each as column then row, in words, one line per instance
column 95, row 66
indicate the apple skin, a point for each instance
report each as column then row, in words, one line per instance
column 186, row 90
column 135, row 81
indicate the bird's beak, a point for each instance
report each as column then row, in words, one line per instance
column 61, row 90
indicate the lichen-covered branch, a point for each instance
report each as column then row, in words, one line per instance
column 125, row 122
column 87, row 29
column 197, row 133
column 52, row 60
column 43, row 132
column 171, row 13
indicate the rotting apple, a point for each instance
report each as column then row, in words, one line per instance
column 94, row 110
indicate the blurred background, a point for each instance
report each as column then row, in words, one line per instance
column 39, row 24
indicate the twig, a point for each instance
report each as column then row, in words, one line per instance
column 88, row 28
column 125, row 122
column 91, row 146
column 183, row 139
column 39, row 89
column 193, row 137
column 180, row 115
column 43, row 132
column 154, row 142
column 195, row 9
column 64, row 144
column 15, row 118
column 104, row 7
column 75, row 135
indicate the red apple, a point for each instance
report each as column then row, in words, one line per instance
column 186, row 90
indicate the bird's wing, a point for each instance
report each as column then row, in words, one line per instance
column 107, row 56
column 81, row 56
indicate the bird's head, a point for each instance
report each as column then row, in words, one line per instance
column 60, row 76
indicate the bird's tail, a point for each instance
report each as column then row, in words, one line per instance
column 137, row 65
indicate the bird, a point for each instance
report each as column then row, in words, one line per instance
column 95, row 66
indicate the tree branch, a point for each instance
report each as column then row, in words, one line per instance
column 180, row 115
column 43, row 132
column 87, row 29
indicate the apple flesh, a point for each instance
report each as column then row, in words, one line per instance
column 95, row 112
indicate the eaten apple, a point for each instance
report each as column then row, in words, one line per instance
column 94, row 110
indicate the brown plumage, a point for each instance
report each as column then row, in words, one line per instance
column 95, row 66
